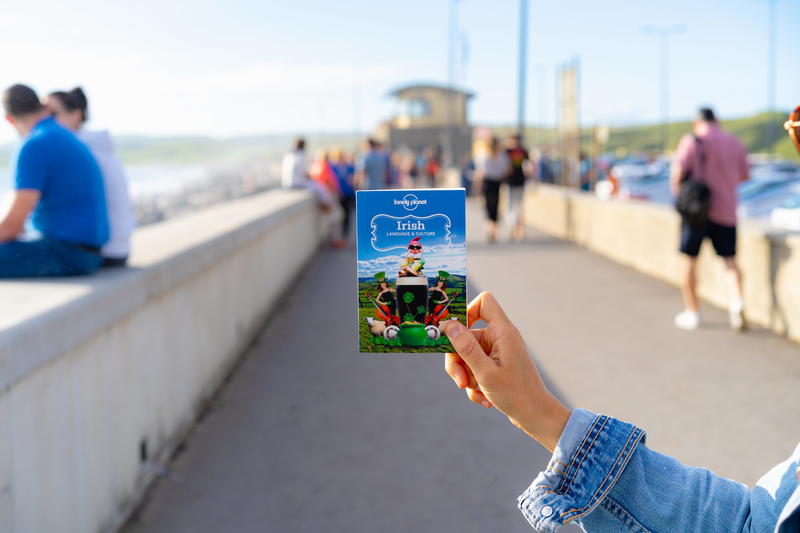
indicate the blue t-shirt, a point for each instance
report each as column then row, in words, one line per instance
column 344, row 173
column 72, row 206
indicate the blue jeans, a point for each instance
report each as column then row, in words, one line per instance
column 45, row 258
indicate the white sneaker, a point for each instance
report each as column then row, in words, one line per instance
column 736, row 315
column 688, row 320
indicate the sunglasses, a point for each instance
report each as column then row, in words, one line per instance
column 415, row 247
column 793, row 127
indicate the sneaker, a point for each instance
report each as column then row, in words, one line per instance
column 688, row 320
column 736, row 315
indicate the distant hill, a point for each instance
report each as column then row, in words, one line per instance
column 140, row 150
column 647, row 138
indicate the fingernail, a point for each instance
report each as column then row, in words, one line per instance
column 453, row 329
column 486, row 404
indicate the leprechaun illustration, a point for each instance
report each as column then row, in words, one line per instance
column 413, row 263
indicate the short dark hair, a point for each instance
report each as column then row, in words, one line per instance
column 706, row 114
column 299, row 144
column 20, row 100
column 74, row 100
column 372, row 143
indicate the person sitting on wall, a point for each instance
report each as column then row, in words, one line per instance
column 71, row 110
column 58, row 183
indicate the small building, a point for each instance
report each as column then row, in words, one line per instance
column 429, row 116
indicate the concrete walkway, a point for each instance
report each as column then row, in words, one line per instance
column 311, row 436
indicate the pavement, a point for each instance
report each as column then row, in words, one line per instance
column 309, row 435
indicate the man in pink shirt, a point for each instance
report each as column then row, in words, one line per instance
column 720, row 160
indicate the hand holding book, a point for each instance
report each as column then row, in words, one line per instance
column 493, row 364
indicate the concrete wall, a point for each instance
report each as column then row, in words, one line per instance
column 645, row 237
column 92, row 370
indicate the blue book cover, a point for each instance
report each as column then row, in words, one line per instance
column 412, row 268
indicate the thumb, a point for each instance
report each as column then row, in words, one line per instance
column 467, row 347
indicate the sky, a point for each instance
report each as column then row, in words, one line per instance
column 249, row 67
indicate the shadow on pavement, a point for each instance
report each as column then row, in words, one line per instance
column 310, row 435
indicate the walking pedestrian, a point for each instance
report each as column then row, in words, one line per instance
column 544, row 167
column 326, row 184
column 344, row 170
column 467, row 172
column 520, row 172
column 491, row 170
column 372, row 167
column 717, row 159
column 294, row 167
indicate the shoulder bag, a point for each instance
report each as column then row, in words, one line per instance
column 694, row 196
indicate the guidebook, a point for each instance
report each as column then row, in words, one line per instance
column 412, row 268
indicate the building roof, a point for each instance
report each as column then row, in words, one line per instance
column 400, row 92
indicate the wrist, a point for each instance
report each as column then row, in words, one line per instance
column 545, row 421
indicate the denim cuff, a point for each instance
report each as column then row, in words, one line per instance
column 590, row 456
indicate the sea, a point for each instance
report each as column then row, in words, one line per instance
column 143, row 180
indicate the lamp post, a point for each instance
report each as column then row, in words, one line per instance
column 523, row 59
column 772, row 31
column 452, row 29
column 664, row 33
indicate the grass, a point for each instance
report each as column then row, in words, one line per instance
column 647, row 138
column 371, row 344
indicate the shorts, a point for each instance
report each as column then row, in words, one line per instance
column 722, row 237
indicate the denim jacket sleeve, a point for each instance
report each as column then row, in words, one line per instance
column 603, row 477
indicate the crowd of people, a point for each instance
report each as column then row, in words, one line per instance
column 708, row 154
column 69, row 188
column 491, row 167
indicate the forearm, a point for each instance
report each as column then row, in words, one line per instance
column 545, row 422
column 603, row 477
column 675, row 179
column 477, row 181
column 9, row 231
column 13, row 223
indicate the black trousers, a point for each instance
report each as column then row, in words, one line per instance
column 347, row 208
column 491, row 193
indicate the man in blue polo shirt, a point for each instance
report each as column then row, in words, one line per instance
column 58, row 183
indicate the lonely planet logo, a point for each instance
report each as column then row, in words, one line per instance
column 410, row 202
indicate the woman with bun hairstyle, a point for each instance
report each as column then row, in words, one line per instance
column 71, row 110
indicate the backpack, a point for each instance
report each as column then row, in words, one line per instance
column 694, row 196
